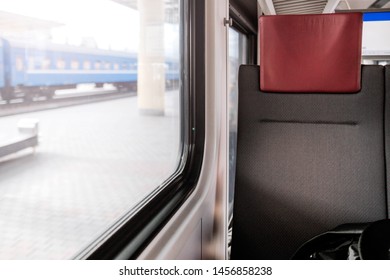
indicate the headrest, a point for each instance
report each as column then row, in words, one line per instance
column 310, row 53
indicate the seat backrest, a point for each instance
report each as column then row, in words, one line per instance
column 310, row 159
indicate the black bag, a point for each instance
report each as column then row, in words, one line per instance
column 369, row 241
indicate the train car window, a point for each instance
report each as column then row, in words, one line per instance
column 87, row 65
column 97, row 65
column 375, row 41
column 125, row 66
column 74, row 64
column 61, row 63
column 46, row 63
column 74, row 175
column 19, row 64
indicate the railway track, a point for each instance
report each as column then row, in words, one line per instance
column 61, row 101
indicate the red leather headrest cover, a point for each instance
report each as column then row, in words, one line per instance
column 310, row 53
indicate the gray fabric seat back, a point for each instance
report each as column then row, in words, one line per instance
column 306, row 163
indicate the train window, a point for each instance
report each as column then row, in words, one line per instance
column 86, row 65
column 60, row 63
column 375, row 41
column 74, row 64
column 97, row 65
column 69, row 183
column 125, row 66
column 19, row 64
column 46, row 63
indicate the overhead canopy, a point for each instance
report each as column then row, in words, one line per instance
column 13, row 23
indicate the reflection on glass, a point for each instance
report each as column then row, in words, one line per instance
column 72, row 82
column 237, row 55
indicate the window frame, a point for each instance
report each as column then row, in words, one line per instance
column 128, row 237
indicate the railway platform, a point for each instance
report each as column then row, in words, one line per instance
column 94, row 162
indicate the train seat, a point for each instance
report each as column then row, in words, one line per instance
column 310, row 149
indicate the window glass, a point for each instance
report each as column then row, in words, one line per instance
column 237, row 55
column 95, row 162
column 124, row 66
column 61, row 63
column 46, row 62
column 74, row 64
column 19, row 65
column 97, row 65
column 375, row 39
column 87, row 64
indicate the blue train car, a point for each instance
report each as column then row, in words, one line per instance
column 40, row 69
column 31, row 69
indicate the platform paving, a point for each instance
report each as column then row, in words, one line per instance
column 94, row 162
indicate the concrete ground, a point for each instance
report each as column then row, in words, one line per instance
column 93, row 164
